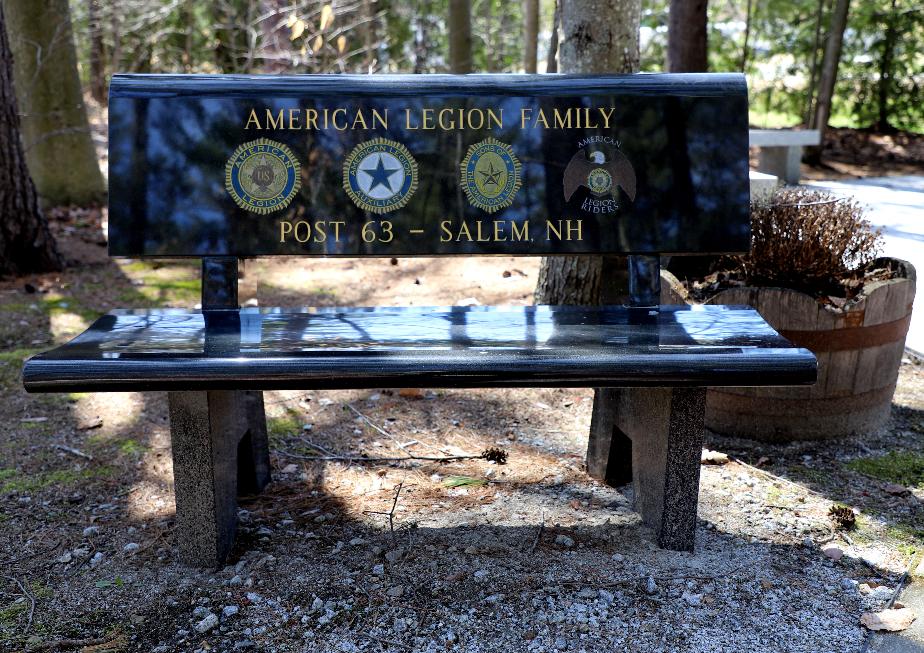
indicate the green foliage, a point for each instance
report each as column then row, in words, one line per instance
column 902, row 467
column 782, row 51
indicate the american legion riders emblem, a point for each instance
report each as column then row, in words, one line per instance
column 380, row 175
column 602, row 170
column 262, row 176
column 490, row 175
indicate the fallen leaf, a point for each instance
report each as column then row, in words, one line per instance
column 709, row 457
column 891, row 620
column 90, row 424
column 461, row 481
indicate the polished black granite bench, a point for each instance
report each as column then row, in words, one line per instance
column 460, row 347
column 630, row 168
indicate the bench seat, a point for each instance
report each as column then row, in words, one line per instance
column 276, row 348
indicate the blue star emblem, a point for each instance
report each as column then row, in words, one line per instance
column 380, row 175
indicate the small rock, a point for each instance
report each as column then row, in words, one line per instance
column 91, row 531
column 291, row 468
column 64, row 558
column 708, row 457
column 358, row 541
column 494, row 598
column 617, row 557
column 96, row 559
column 471, row 550
column 394, row 555
column 833, row 552
column 317, row 604
column 848, row 584
column 694, row 600
column 891, row 620
column 588, row 593
column 229, row 610
column 201, row 612
column 896, row 489
column 236, row 581
column 378, row 570
column 204, row 626
column 651, row 587
column 255, row 598
column 481, row 574
column 131, row 547
column 881, row 593
column 564, row 540
column 395, row 591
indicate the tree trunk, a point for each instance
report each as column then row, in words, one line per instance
column 828, row 74
column 813, row 66
column 55, row 131
column 748, row 17
column 26, row 244
column 551, row 62
column 686, row 37
column 885, row 72
column 97, row 52
column 530, row 34
column 596, row 37
column 460, row 36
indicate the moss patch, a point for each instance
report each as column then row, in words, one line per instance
column 63, row 477
column 902, row 467
column 289, row 424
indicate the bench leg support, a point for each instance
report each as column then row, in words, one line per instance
column 665, row 429
column 253, row 463
column 208, row 430
column 784, row 162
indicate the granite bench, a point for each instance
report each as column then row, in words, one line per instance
column 222, row 168
column 781, row 150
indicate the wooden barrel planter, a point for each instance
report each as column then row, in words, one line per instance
column 859, row 350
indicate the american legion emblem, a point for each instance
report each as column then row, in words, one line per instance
column 490, row 175
column 380, row 175
column 262, row 176
column 601, row 171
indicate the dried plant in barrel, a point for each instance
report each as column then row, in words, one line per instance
column 812, row 273
column 808, row 240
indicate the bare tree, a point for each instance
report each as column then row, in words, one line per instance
column 530, row 34
column 686, row 37
column 460, row 36
column 26, row 244
column 55, row 131
column 597, row 36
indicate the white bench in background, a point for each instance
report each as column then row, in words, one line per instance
column 781, row 150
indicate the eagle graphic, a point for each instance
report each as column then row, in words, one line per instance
column 609, row 160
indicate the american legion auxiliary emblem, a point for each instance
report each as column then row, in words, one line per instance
column 490, row 175
column 262, row 176
column 380, row 175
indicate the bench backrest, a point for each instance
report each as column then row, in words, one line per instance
column 342, row 165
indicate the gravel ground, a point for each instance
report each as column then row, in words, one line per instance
column 390, row 557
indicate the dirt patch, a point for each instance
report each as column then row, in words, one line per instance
column 534, row 556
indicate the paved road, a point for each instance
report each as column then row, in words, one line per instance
column 897, row 205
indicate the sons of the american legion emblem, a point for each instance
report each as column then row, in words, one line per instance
column 380, row 175
column 490, row 175
column 262, row 176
